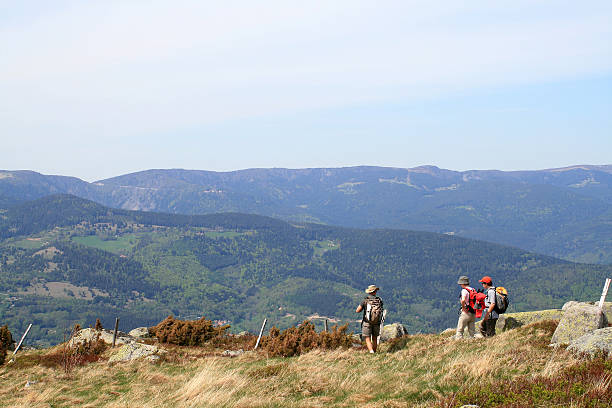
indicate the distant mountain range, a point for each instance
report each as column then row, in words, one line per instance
column 566, row 212
column 66, row 260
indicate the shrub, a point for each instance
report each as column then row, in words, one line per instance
column 6, row 338
column 398, row 343
column 98, row 325
column 587, row 384
column 77, row 354
column 186, row 332
column 303, row 338
column 6, row 341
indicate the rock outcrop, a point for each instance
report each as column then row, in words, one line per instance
column 105, row 335
column 592, row 344
column 392, row 331
column 140, row 333
column 578, row 319
column 134, row 351
column 509, row 321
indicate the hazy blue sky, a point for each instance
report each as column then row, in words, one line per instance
column 100, row 88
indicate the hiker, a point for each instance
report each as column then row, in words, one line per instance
column 372, row 308
column 487, row 325
column 467, row 315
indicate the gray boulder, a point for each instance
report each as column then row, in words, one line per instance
column 392, row 331
column 140, row 333
column 508, row 321
column 104, row 335
column 133, row 351
column 578, row 319
column 599, row 341
column 607, row 307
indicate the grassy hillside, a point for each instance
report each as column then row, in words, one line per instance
column 65, row 260
column 515, row 369
column 565, row 213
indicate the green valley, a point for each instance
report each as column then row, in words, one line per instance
column 65, row 260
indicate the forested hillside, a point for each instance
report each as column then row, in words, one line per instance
column 565, row 213
column 65, row 260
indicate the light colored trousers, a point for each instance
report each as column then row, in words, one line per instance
column 466, row 320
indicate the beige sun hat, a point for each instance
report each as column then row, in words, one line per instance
column 371, row 289
column 463, row 280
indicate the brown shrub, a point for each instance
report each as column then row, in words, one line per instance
column 98, row 325
column 186, row 332
column 6, row 338
column 303, row 338
column 398, row 343
column 6, row 341
column 78, row 354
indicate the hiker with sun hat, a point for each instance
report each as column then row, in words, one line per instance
column 467, row 315
column 372, row 308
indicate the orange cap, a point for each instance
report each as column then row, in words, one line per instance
column 487, row 280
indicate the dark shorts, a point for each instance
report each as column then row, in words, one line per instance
column 368, row 330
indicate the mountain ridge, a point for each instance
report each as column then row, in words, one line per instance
column 563, row 212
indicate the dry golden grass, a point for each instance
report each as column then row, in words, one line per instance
column 424, row 373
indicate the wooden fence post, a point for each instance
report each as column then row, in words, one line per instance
column 21, row 341
column 115, row 331
column 604, row 293
column 260, row 333
column 326, row 326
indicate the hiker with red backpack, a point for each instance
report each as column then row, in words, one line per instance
column 372, row 308
column 467, row 315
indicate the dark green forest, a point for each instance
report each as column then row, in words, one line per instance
column 238, row 268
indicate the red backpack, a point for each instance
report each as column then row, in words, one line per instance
column 475, row 300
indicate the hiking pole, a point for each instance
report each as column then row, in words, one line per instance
column 260, row 333
column 382, row 324
column 604, row 293
column 21, row 341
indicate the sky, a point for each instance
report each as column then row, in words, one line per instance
column 102, row 88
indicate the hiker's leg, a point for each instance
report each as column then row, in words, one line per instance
column 369, row 343
column 483, row 327
column 461, row 323
column 375, row 334
column 366, row 331
column 471, row 324
column 491, row 327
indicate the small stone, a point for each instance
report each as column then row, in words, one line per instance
column 232, row 353
column 153, row 358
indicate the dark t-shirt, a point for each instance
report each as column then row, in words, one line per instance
column 364, row 305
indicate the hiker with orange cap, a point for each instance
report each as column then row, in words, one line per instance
column 372, row 308
column 489, row 320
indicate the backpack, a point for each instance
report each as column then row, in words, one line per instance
column 501, row 300
column 374, row 310
column 472, row 301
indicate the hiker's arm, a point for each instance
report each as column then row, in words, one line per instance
column 463, row 305
column 359, row 309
